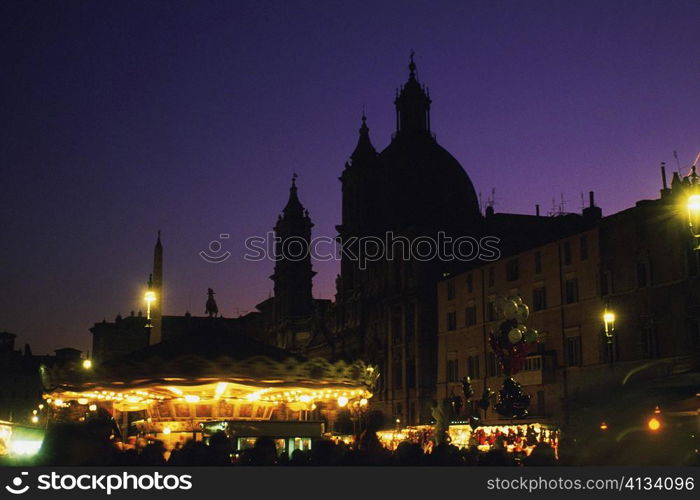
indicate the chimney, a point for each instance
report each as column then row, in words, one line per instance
column 537, row 210
column 591, row 211
column 665, row 191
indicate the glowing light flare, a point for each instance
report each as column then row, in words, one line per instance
column 342, row 401
column 24, row 447
column 167, row 430
column 191, row 398
column 150, row 297
column 609, row 321
column 654, row 424
column 220, row 389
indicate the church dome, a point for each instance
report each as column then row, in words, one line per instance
column 426, row 187
column 422, row 185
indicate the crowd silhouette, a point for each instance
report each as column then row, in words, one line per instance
column 93, row 444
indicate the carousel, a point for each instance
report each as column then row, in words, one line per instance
column 182, row 390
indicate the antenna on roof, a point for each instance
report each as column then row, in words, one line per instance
column 583, row 204
column 562, row 203
column 678, row 163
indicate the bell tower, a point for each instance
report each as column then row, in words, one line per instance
column 293, row 274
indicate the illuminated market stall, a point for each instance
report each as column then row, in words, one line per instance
column 177, row 391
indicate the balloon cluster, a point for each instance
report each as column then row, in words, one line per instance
column 511, row 341
column 512, row 400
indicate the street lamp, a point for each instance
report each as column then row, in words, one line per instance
column 150, row 298
column 87, row 364
column 609, row 322
column 693, row 205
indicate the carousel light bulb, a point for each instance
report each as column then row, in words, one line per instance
column 82, row 401
column 363, row 402
column 41, row 407
column 191, row 398
column 166, row 430
column 342, row 401
column 92, row 407
column 220, row 389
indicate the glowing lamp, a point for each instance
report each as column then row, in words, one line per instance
column 363, row 402
column 92, row 407
column 220, row 389
column 150, row 297
column 166, row 430
column 654, row 424
column 609, row 322
column 87, row 364
column 603, row 426
column 82, row 401
column 35, row 419
column 342, row 401
column 58, row 402
column 305, row 398
column 694, row 215
column 191, row 398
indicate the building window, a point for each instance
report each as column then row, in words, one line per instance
column 452, row 320
column 584, row 247
column 493, row 367
column 492, row 276
column 539, row 298
column 538, row 263
column 567, row 253
column 470, row 315
column 609, row 351
column 470, row 283
column 473, row 367
column 450, row 290
column 452, row 368
column 571, row 291
column 573, row 351
column 650, row 342
column 490, row 311
column 512, row 270
column 642, row 275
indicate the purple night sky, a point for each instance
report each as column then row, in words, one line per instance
column 123, row 118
